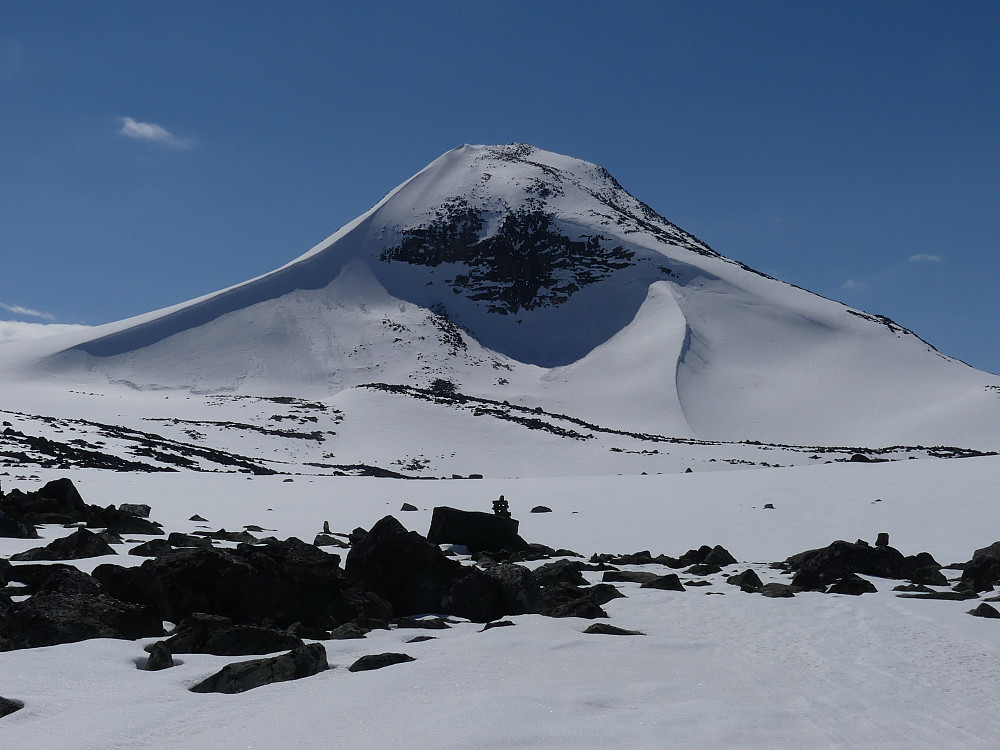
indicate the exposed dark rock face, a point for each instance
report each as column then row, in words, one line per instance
column 78, row 545
column 378, row 661
column 603, row 628
column 72, row 606
column 476, row 530
column 526, row 263
column 211, row 634
column 304, row 661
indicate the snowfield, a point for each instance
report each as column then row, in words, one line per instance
column 734, row 670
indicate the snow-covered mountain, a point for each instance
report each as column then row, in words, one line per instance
column 511, row 279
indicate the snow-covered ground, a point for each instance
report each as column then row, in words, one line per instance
column 735, row 670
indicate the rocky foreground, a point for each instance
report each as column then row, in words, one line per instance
column 239, row 593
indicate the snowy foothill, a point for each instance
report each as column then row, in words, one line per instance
column 716, row 665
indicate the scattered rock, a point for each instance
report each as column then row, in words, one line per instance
column 422, row 623
column 668, row 582
column 768, row 506
column 584, row 607
column 541, row 509
column 407, row 507
column 497, row 624
column 160, row 657
column 629, row 576
column 196, row 517
column 378, row 661
column 852, row 585
column 777, row 590
column 602, row 593
column 304, row 661
column 954, row 596
column 983, row 570
column 882, row 540
column 8, row 706
column 78, row 545
column 329, row 540
column 520, row 593
column 348, row 631
column 152, row 548
column 703, row 570
column 603, row 628
column 421, row 639
column 136, row 509
column 15, row 527
column 748, row 581
column 985, row 610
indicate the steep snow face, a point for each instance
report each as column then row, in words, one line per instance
column 524, row 276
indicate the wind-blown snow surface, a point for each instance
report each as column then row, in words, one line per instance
column 527, row 277
column 730, row 671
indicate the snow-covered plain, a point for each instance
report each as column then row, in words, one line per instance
column 735, row 671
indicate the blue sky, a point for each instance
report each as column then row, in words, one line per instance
column 154, row 152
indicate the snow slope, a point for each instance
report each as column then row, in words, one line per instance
column 733, row 670
column 528, row 278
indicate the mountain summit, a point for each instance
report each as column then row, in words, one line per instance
column 517, row 275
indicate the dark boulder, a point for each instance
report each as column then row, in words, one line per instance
column 603, row 628
column 852, row 585
column 560, row 572
column 348, row 631
column 211, row 634
column 520, row 593
column 136, row 509
column 497, row 624
column 703, row 569
column 985, row 610
column 304, row 661
column 748, row 581
column 817, row 568
column 777, row 590
column 408, row 507
column 404, row 567
column 584, row 607
column 15, row 527
column 378, row 661
column 71, row 606
column 473, row 529
column 159, row 657
column 475, row 596
column 177, row 539
column 982, row 572
column 121, row 522
column 286, row 582
column 152, row 548
column 602, row 593
column 629, row 576
column 668, row 582
column 8, row 706
column 329, row 540
column 78, row 545
column 541, row 509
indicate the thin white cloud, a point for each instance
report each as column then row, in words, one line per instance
column 924, row 258
column 15, row 330
column 19, row 310
column 853, row 285
column 152, row 133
